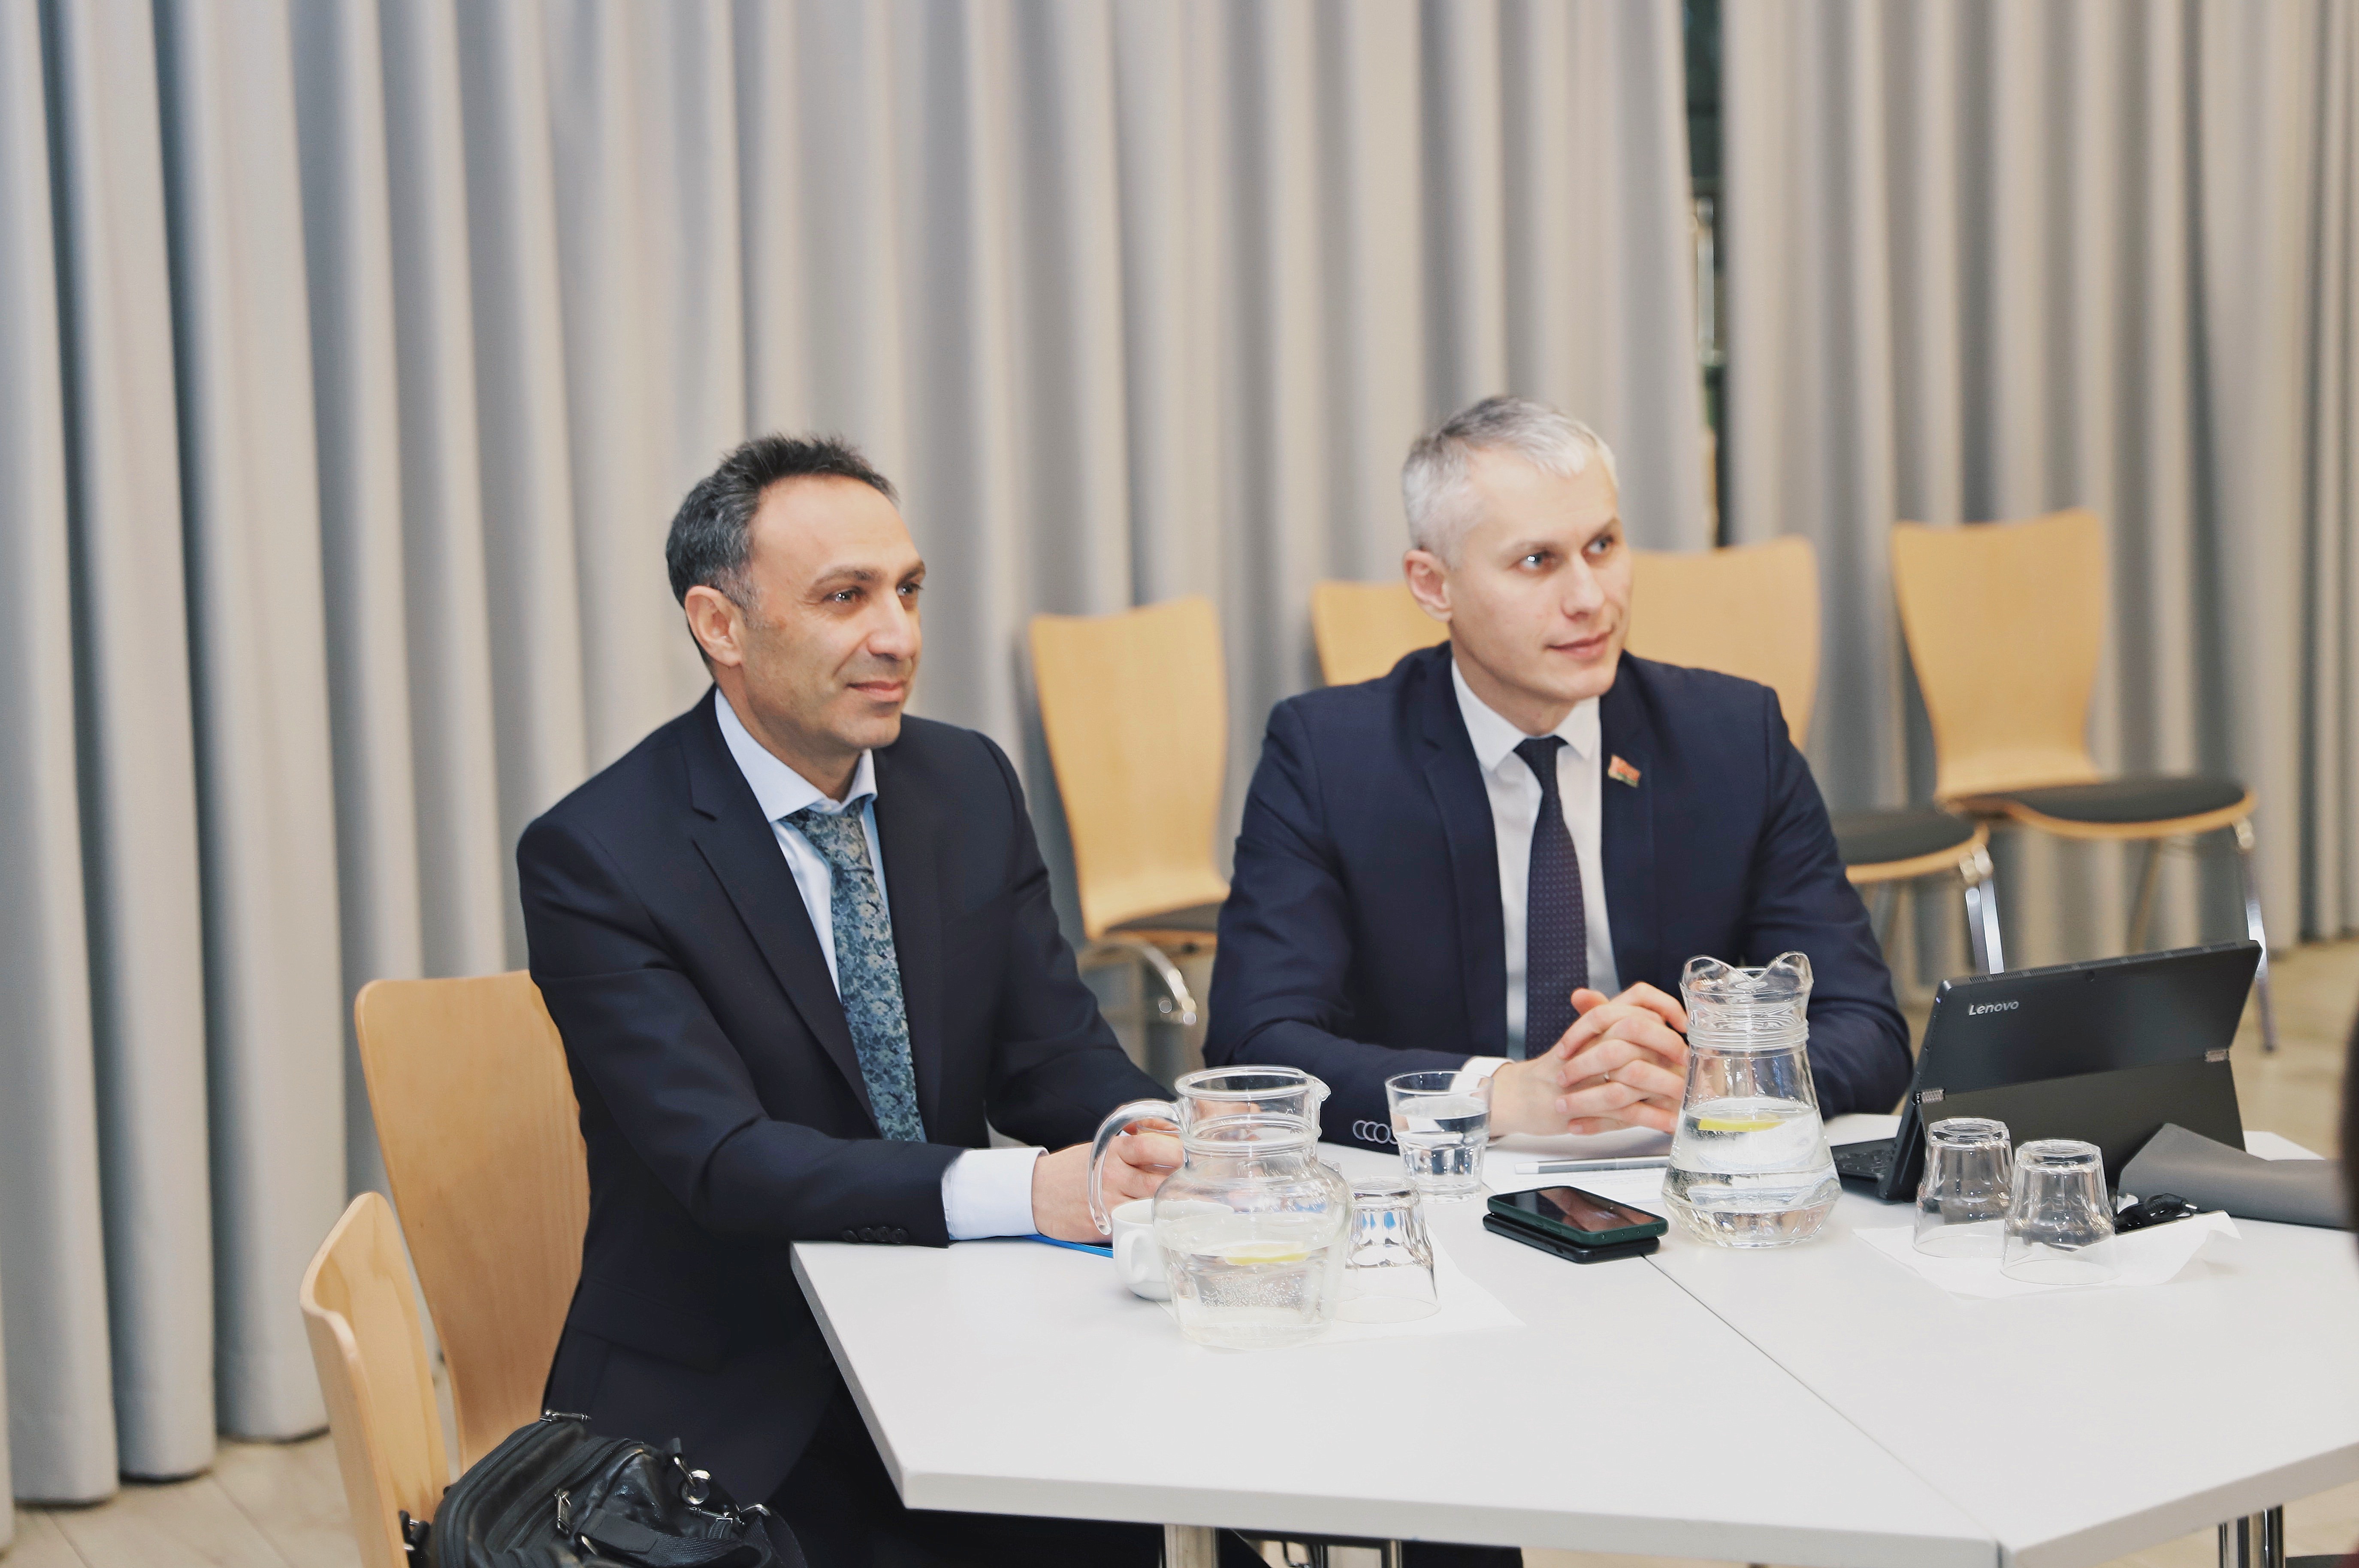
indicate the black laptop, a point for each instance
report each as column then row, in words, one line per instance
column 2104, row 1050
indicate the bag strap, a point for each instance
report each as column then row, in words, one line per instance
column 618, row 1536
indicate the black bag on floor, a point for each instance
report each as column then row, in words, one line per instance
column 552, row 1496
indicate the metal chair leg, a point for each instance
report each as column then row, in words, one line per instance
column 1981, row 911
column 2255, row 1540
column 2149, row 879
column 2253, row 928
column 1177, row 1004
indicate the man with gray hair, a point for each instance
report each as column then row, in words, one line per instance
column 1496, row 858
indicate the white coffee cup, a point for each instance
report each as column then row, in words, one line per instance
column 1136, row 1256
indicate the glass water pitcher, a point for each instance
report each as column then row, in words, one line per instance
column 1750, row 1165
column 1255, row 1228
column 1201, row 1098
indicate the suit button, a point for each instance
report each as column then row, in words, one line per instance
column 899, row 1235
column 867, row 1233
column 850, row 1237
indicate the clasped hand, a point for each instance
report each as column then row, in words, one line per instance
column 1622, row 1064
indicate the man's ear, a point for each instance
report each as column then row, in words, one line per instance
column 1428, row 583
column 717, row 624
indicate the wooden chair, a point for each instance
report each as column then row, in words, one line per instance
column 2005, row 623
column 1748, row 610
column 1364, row 629
column 483, row 1145
column 362, row 1316
column 1752, row 611
column 1135, row 707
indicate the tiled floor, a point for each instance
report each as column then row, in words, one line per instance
column 282, row 1506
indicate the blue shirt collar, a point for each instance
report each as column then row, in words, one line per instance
column 781, row 791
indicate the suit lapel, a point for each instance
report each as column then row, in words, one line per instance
column 742, row 851
column 907, row 834
column 1456, row 780
column 1626, row 826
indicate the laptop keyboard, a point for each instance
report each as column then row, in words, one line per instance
column 1864, row 1161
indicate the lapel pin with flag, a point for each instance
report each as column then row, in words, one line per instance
column 1621, row 772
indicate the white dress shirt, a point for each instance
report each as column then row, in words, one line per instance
column 1515, row 793
column 985, row 1191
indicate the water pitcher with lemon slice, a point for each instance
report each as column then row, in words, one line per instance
column 1254, row 1229
column 1750, row 1165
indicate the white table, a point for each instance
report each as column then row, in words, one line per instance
column 2157, row 1411
column 1013, row 1378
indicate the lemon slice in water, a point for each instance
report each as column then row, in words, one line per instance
column 1735, row 1123
column 1262, row 1252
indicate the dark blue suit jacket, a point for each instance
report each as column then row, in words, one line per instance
column 1362, row 935
column 721, row 1101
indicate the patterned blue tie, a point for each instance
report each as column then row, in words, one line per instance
column 1556, row 922
column 868, row 970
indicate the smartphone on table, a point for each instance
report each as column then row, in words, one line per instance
column 1574, row 1223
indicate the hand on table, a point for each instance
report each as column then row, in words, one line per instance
column 1622, row 1064
column 1136, row 1164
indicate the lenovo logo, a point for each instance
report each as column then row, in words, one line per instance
column 1978, row 1008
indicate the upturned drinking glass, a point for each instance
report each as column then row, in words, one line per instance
column 1968, row 1177
column 1388, row 1264
column 2059, row 1224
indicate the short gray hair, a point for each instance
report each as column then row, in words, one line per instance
column 1436, row 492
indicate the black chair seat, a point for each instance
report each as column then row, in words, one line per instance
column 2154, row 798
column 1880, row 837
column 1203, row 917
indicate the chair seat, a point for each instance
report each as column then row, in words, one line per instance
column 1880, row 837
column 2128, row 801
column 1204, row 918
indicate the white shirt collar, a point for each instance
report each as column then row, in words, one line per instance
column 782, row 791
column 1495, row 740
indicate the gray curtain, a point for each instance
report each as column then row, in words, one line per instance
column 354, row 354
column 1989, row 259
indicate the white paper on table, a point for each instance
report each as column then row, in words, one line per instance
column 1465, row 1308
column 2150, row 1257
column 1499, row 1160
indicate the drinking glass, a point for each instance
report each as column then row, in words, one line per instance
column 2060, row 1226
column 1441, row 1122
column 1969, row 1176
column 1389, row 1268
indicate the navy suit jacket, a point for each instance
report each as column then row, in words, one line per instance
column 1361, row 936
column 722, row 1101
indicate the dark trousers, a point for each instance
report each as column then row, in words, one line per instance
column 845, row 1514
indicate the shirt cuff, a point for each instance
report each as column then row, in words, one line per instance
column 988, row 1192
column 1477, row 1068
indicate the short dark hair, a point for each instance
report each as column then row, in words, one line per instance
column 711, row 539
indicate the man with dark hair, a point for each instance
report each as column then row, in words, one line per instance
column 799, row 948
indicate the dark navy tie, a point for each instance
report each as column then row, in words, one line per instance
column 1556, row 922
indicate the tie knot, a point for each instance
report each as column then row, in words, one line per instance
column 1539, row 755
column 836, row 834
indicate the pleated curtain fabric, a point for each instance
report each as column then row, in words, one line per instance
column 354, row 356
column 1987, row 260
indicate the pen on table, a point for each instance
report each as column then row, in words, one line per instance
column 1570, row 1167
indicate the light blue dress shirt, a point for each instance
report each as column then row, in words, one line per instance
column 985, row 1191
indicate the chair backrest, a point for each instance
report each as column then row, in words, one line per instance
column 483, row 1145
column 2005, row 623
column 361, row 1313
column 1748, row 610
column 1136, row 709
column 1364, row 629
